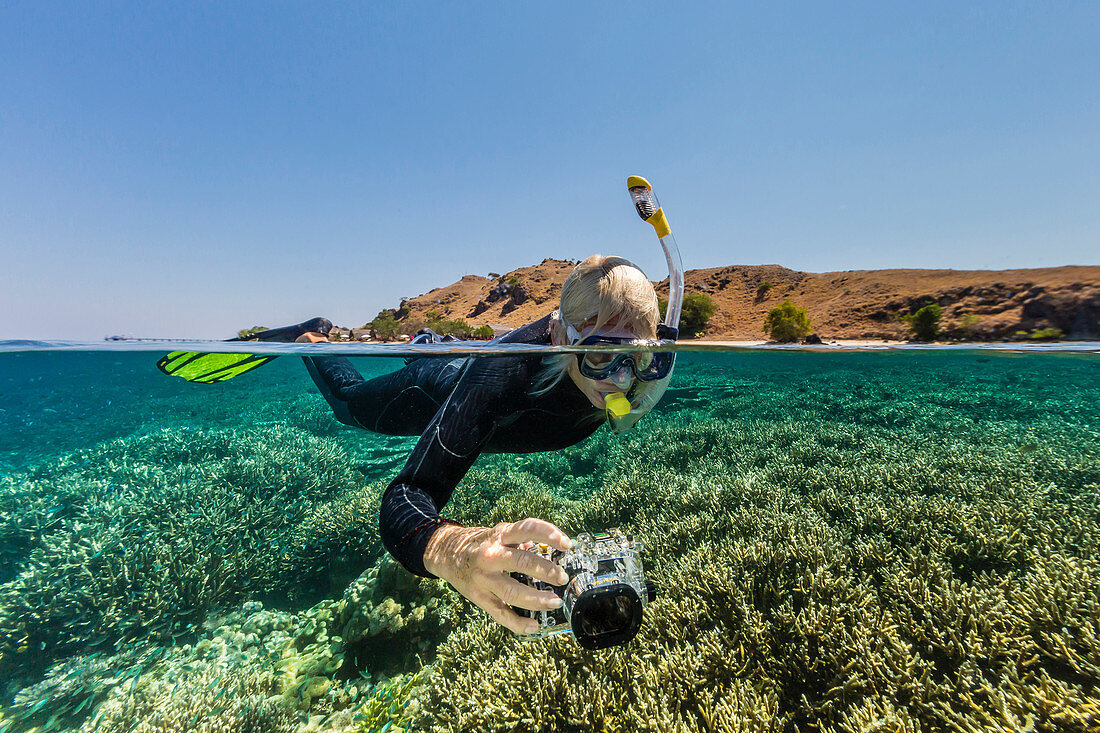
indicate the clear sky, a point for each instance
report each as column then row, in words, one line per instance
column 188, row 169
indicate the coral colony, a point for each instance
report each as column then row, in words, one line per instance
column 852, row 542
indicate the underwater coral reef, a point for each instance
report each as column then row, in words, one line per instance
column 845, row 542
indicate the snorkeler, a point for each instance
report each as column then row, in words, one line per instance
column 462, row 407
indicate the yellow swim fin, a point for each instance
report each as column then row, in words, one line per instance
column 209, row 368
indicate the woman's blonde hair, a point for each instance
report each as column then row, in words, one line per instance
column 604, row 290
column 599, row 291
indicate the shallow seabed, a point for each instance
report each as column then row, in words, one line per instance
column 897, row 541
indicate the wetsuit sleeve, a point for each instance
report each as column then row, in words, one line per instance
column 458, row 432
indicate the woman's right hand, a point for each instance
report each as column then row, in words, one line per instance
column 476, row 561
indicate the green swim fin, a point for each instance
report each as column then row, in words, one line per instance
column 209, row 368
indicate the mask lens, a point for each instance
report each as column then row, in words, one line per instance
column 598, row 361
column 606, row 365
column 658, row 366
column 645, row 365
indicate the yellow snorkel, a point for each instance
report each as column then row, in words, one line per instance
column 623, row 411
column 645, row 201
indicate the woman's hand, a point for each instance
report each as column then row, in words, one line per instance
column 476, row 562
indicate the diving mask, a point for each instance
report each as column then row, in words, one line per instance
column 646, row 366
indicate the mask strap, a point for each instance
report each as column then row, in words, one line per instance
column 571, row 333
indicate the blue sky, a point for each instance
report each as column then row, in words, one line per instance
column 187, row 169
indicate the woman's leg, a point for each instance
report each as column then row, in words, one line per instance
column 398, row 403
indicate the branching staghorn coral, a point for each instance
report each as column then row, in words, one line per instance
column 332, row 542
column 841, row 543
column 257, row 669
column 150, row 533
column 855, row 573
column 72, row 689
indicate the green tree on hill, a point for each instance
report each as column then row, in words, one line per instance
column 787, row 322
column 925, row 323
column 457, row 327
column 246, row 332
column 695, row 313
column 384, row 325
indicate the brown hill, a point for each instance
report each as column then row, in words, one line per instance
column 863, row 304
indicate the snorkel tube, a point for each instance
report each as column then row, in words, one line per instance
column 623, row 411
column 645, row 201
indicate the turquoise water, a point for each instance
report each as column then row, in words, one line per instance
column 897, row 539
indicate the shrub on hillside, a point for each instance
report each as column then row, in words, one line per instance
column 457, row 327
column 384, row 325
column 787, row 322
column 968, row 325
column 763, row 289
column 1041, row 334
column 695, row 313
column 246, row 332
column 925, row 323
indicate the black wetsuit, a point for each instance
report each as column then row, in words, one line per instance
column 460, row 408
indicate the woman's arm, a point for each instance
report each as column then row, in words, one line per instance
column 474, row 560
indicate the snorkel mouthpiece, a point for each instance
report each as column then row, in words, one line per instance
column 616, row 404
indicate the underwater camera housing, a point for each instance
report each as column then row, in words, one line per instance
column 604, row 596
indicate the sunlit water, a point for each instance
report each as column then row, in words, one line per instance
column 900, row 539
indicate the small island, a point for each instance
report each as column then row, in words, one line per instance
column 757, row 303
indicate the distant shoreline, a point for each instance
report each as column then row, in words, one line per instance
column 853, row 307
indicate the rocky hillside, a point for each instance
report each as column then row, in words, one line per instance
column 855, row 304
